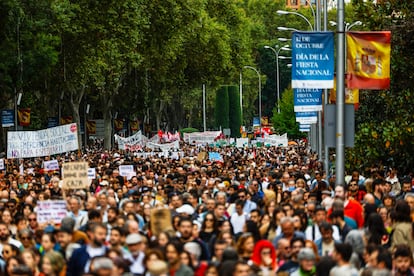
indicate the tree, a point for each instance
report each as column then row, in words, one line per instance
column 222, row 107
column 234, row 110
column 384, row 120
column 285, row 121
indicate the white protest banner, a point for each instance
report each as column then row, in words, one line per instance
column 51, row 165
column 75, row 175
column 125, row 170
column 132, row 143
column 1, row 164
column 242, row 142
column 91, row 173
column 26, row 144
column 205, row 137
column 51, row 211
column 164, row 147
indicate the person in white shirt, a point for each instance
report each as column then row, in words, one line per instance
column 238, row 219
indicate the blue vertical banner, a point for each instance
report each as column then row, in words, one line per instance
column 7, row 118
column 313, row 60
column 304, row 128
column 256, row 121
column 307, row 99
column 306, row 117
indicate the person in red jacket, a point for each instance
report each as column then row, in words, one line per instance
column 352, row 208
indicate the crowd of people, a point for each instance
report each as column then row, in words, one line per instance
column 257, row 211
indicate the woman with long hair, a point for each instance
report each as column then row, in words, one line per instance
column 52, row 264
column 209, row 228
column 264, row 257
column 402, row 230
column 376, row 232
column 245, row 246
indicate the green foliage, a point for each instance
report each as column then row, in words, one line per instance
column 285, row 121
column 188, row 130
column 384, row 120
column 234, row 110
column 222, row 107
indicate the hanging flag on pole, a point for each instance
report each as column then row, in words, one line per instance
column 312, row 60
column 24, row 116
column 368, row 59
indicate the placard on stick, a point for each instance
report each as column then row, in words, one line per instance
column 75, row 175
column 160, row 220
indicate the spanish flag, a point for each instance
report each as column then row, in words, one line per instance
column 66, row 120
column 118, row 124
column 91, row 126
column 24, row 116
column 133, row 125
column 368, row 60
column 351, row 95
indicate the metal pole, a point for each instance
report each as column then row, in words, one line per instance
column 340, row 95
column 204, row 108
column 241, row 95
column 278, row 82
column 15, row 110
column 325, row 91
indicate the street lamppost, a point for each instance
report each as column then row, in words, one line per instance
column 281, row 12
column 276, row 52
column 260, row 95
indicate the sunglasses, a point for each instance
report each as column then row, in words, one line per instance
column 32, row 219
column 25, row 238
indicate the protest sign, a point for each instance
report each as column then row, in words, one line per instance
column 75, row 175
column 51, row 165
column 125, row 170
column 160, row 220
column 1, row 164
column 91, row 173
column 51, row 211
column 26, row 144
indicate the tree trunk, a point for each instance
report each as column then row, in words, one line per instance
column 107, row 116
column 75, row 100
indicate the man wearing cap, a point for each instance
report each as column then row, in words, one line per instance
column 64, row 238
column 135, row 256
column 307, row 259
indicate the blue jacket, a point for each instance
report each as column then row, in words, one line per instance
column 76, row 264
column 78, row 261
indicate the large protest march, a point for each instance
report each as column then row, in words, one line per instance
column 197, row 204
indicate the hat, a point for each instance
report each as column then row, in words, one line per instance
column 157, row 267
column 65, row 229
column 186, row 208
column 49, row 229
column 104, row 183
column 68, row 223
column 326, row 192
column 306, row 254
column 193, row 248
column 133, row 239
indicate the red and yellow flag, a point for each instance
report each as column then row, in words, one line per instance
column 91, row 126
column 118, row 124
column 368, row 59
column 133, row 125
column 24, row 116
column 66, row 120
column 351, row 95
